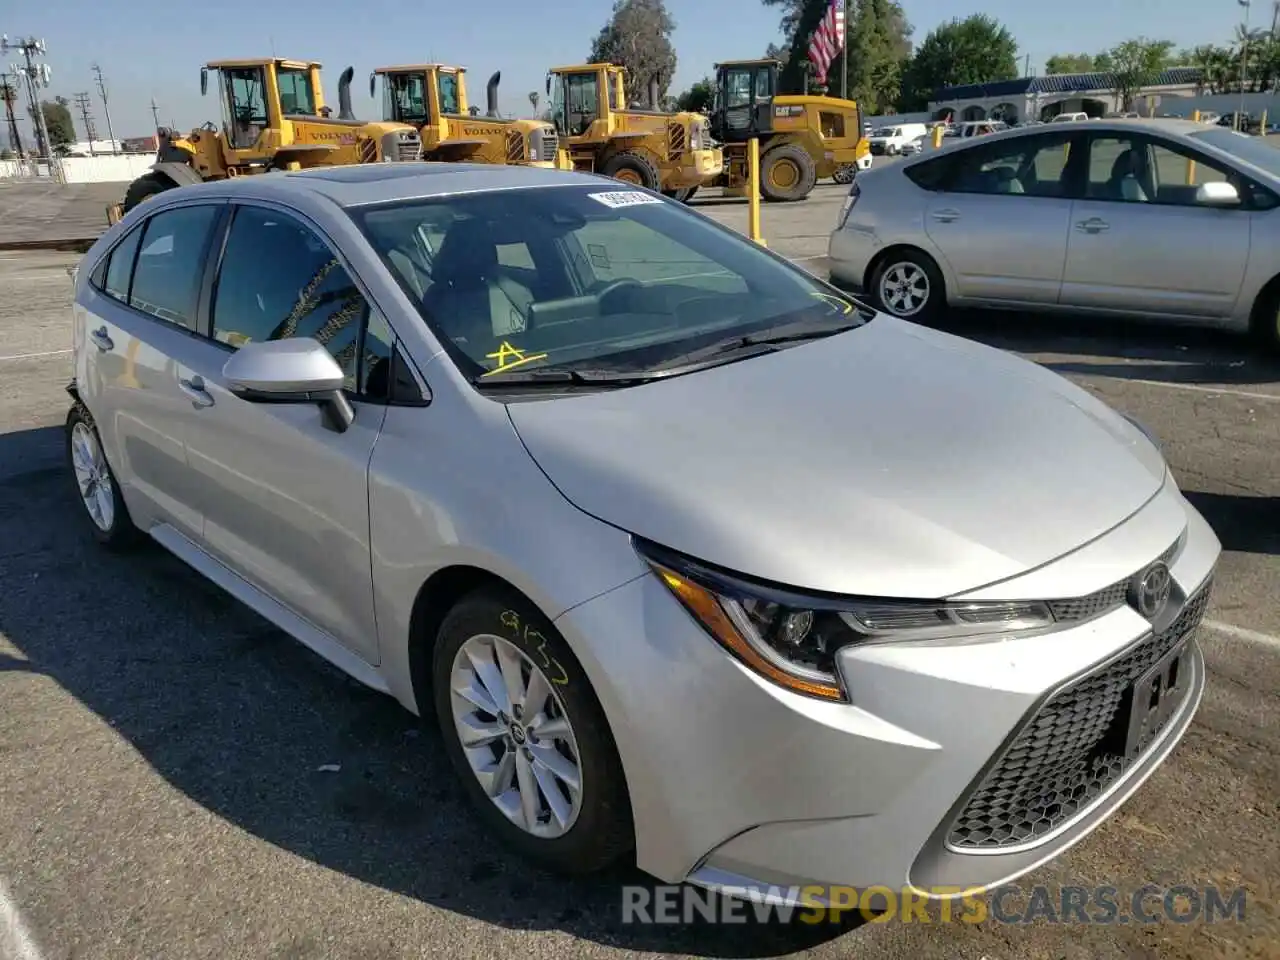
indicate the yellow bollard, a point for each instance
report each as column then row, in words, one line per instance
column 937, row 136
column 1191, row 164
column 1262, row 128
column 753, row 191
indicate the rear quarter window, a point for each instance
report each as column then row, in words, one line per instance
column 929, row 174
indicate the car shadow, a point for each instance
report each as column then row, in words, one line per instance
column 1244, row 523
column 257, row 730
column 1122, row 347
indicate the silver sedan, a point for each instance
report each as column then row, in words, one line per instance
column 690, row 557
column 1162, row 218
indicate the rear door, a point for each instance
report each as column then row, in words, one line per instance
column 1139, row 240
column 1000, row 217
column 142, row 318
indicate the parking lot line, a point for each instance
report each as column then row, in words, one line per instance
column 34, row 356
column 1243, row 633
column 1196, row 388
column 16, row 942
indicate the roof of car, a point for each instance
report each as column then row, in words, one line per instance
column 360, row 184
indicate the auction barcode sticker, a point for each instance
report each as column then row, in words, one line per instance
column 624, row 198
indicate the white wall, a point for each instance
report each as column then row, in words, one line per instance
column 110, row 169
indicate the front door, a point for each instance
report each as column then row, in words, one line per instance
column 1000, row 218
column 144, row 320
column 284, row 497
column 1140, row 241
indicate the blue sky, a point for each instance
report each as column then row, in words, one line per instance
column 155, row 49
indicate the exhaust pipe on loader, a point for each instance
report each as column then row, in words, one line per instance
column 653, row 93
column 491, row 93
column 344, row 95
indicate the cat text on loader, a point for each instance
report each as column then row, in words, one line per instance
column 671, row 152
column 802, row 138
column 433, row 98
column 273, row 118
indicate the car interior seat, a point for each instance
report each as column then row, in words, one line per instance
column 469, row 298
column 1123, row 184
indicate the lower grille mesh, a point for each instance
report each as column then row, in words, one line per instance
column 1065, row 757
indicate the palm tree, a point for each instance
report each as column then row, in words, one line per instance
column 534, row 97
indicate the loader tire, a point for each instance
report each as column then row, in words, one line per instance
column 683, row 195
column 631, row 167
column 146, row 186
column 787, row 173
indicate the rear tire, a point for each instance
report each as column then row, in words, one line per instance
column 787, row 173
column 633, row 168
column 96, row 487
column 845, row 173
column 907, row 284
column 1264, row 325
column 493, row 628
column 145, row 187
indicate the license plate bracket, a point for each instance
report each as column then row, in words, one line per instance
column 1154, row 698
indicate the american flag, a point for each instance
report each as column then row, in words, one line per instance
column 827, row 40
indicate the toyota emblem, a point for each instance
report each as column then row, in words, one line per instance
column 1151, row 589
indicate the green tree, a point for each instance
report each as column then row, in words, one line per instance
column 534, row 97
column 57, row 119
column 1135, row 64
column 1069, row 63
column 878, row 36
column 638, row 38
column 697, row 99
column 978, row 49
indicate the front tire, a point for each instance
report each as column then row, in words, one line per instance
column 96, row 485
column 1264, row 325
column 907, row 284
column 145, row 187
column 634, row 168
column 787, row 173
column 527, row 736
column 845, row 174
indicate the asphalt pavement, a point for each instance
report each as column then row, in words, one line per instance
column 179, row 780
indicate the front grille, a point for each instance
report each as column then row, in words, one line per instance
column 548, row 146
column 1068, row 753
column 409, row 149
column 1104, row 600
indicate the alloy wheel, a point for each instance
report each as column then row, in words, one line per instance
column 93, row 476
column 516, row 736
column 904, row 289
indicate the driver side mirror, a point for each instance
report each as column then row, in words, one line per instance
column 204, row 81
column 373, row 85
column 1218, row 193
column 548, row 84
column 296, row 370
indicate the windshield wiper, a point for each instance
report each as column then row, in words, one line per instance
column 560, row 377
column 806, row 332
column 764, row 342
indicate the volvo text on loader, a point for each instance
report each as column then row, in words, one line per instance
column 433, row 98
column 273, row 118
column 802, row 138
column 671, row 152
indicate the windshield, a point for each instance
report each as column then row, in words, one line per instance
column 404, row 98
column 586, row 277
column 884, row 132
column 1252, row 150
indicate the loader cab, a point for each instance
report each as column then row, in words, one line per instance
column 257, row 95
column 582, row 95
column 743, row 105
column 419, row 95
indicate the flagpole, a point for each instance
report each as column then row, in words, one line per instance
column 844, row 54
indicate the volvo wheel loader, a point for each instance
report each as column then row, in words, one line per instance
column 671, row 152
column 273, row 118
column 802, row 138
column 433, row 98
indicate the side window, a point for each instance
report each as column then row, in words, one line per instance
column 170, row 265
column 1176, row 175
column 627, row 250
column 279, row 280
column 295, row 92
column 119, row 267
column 931, row 174
column 384, row 373
column 1118, row 171
column 515, row 255
column 1014, row 167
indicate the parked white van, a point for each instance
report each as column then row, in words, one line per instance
column 1070, row 117
column 890, row 140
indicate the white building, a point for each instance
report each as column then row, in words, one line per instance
column 91, row 147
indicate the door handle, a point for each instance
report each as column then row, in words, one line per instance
column 946, row 216
column 101, row 340
column 1093, row 225
column 194, row 388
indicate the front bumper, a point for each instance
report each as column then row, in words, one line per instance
column 739, row 785
column 696, row 168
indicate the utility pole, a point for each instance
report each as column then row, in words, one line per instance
column 37, row 75
column 8, row 91
column 106, row 111
column 155, row 113
column 82, row 101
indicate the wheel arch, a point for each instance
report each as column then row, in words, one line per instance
column 182, row 174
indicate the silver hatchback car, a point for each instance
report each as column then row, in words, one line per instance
column 690, row 555
column 1163, row 218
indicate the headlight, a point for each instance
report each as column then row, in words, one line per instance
column 792, row 639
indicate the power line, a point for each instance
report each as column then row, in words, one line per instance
column 106, row 111
column 83, row 102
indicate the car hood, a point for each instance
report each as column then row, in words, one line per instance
column 887, row 461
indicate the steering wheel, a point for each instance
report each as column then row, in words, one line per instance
column 615, row 286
